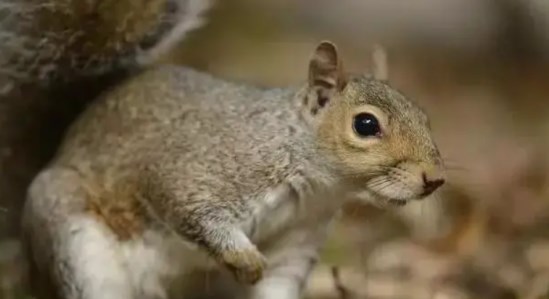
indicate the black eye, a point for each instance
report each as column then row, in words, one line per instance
column 366, row 125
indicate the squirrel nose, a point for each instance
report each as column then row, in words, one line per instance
column 431, row 182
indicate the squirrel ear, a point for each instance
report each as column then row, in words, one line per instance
column 379, row 61
column 326, row 76
column 325, row 68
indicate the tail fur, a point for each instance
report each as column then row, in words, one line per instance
column 45, row 40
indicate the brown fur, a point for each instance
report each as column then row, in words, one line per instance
column 118, row 208
column 50, row 40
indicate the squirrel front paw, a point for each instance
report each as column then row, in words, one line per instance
column 246, row 265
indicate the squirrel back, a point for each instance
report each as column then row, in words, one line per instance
column 177, row 114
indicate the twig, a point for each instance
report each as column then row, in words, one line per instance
column 343, row 292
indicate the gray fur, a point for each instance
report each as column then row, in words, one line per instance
column 252, row 176
column 41, row 41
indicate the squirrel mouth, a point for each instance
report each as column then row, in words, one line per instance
column 382, row 200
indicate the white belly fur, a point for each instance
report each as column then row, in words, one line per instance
column 158, row 261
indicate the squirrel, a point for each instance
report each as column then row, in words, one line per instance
column 176, row 170
column 89, row 225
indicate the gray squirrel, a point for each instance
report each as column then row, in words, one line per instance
column 175, row 170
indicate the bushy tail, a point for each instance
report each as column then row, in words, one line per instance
column 45, row 40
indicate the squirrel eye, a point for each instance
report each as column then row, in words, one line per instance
column 366, row 125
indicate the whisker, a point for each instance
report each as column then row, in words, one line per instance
column 454, row 164
column 471, row 183
column 380, row 179
column 380, row 204
column 382, row 185
column 383, row 188
column 457, row 169
column 401, row 172
column 422, row 210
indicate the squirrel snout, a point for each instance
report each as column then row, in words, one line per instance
column 431, row 182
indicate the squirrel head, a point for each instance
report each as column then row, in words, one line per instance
column 376, row 138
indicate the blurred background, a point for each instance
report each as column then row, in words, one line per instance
column 481, row 70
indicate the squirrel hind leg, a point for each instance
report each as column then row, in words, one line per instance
column 71, row 250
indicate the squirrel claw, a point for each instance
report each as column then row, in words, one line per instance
column 246, row 265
